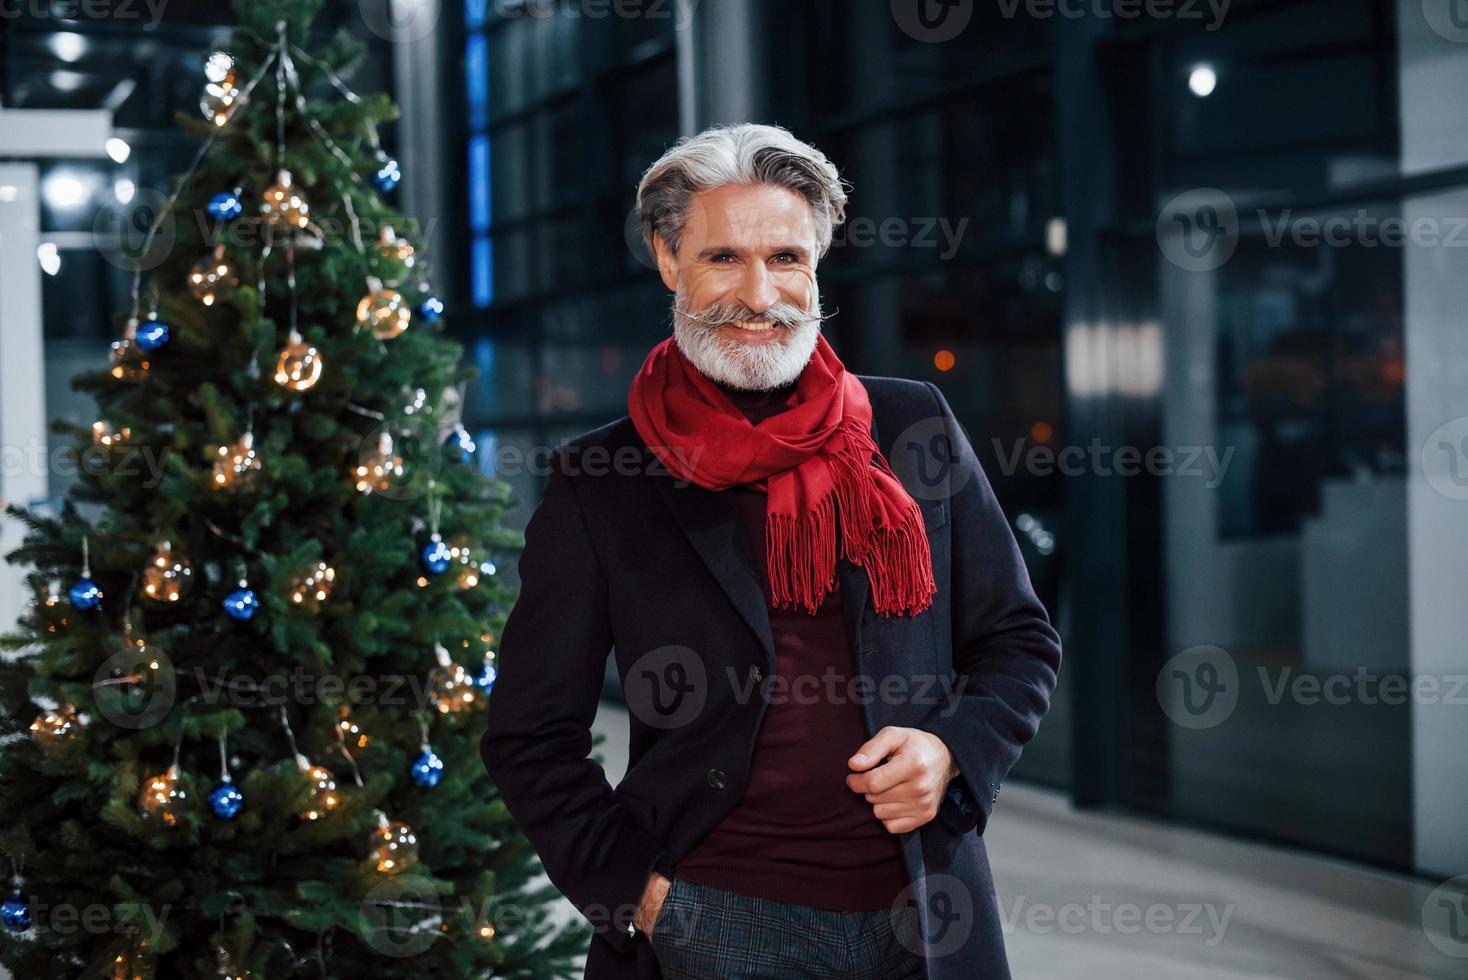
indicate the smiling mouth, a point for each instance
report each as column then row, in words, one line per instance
column 752, row 326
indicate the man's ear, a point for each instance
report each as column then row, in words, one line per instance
column 667, row 262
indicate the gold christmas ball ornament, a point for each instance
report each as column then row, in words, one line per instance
column 167, row 576
column 314, row 586
column 222, row 94
column 234, row 465
column 212, row 277
column 379, row 467
column 384, row 311
column 163, row 797
column 299, row 365
column 128, row 361
column 283, row 204
column 56, row 729
column 451, row 688
column 323, row 797
column 107, row 437
column 396, row 254
column 394, row 846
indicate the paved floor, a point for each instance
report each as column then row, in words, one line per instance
column 1078, row 890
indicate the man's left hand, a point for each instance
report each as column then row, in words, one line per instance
column 906, row 790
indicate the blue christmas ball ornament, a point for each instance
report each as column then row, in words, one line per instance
column 430, row 309
column 436, row 557
column 485, row 678
column 86, row 594
column 459, row 445
column 427, row 769
column 225, row 206
column 388, row 174
column 241, row 604
column 15, row 913
column 152, row 335
column 225, row 800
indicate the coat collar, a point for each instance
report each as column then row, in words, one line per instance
column 710, row 520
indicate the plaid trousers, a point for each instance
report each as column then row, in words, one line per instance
column 707, row 933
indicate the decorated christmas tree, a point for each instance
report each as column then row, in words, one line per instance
column 241, row 717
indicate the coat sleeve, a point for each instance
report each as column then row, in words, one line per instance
column 537, row 740
column 1006, row 654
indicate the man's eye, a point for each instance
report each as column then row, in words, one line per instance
column 787, row 257
column 724, row 257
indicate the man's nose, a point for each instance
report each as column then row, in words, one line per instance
column 757, row 289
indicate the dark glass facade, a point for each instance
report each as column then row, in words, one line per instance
column 1196, row 456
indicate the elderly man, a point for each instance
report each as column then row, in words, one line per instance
column 830, row 664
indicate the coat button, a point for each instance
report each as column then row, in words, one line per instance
column 717, row 778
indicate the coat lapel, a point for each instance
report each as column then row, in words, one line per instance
column 710, row 519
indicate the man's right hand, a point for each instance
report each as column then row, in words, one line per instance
column 651, row 903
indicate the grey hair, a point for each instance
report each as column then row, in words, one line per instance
column 748, row 153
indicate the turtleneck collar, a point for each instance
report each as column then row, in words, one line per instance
column 759, row 405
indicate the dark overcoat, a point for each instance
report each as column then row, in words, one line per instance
column 621, row 555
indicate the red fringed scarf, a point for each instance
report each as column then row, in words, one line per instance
column 816, row 463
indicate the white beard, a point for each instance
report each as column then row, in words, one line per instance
column 747, row 367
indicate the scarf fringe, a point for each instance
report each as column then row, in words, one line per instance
column 802, row 550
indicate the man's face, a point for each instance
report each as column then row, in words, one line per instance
column 747, row 308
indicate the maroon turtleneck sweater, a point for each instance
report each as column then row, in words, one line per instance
column 799, row 834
